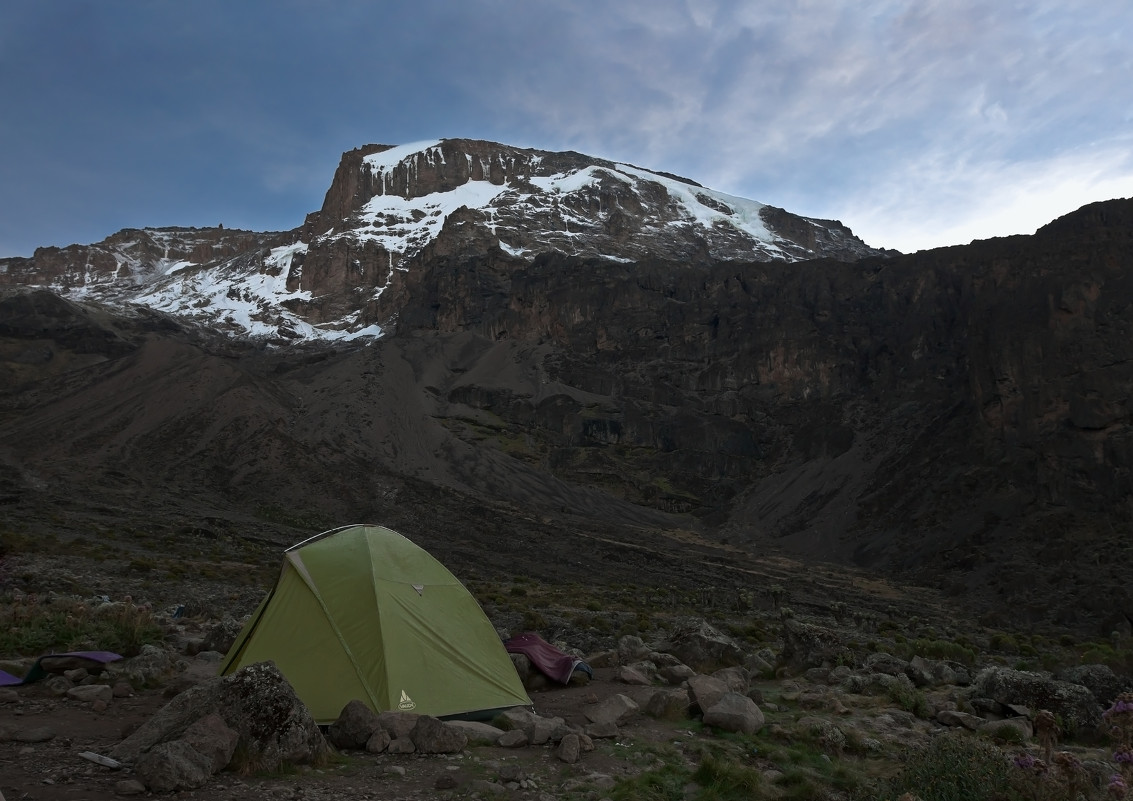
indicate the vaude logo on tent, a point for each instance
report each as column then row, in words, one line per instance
column 406, row 703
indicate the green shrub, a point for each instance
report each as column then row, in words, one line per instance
column 910, row 699
column 30, row 630
column 954, row 767
column 724, row 779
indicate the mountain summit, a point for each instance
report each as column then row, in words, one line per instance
column 391, row 208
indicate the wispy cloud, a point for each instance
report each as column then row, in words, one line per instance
column 903, row 118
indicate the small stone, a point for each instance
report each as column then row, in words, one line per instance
column 57, row 685
column 9, row 696
column 129, row 787
column 603, row 730
column 379, row 741
column 39, row 734
column 99, row 705
column 569, row 749
column 629, row 675
column 77, row 675
column 122, row 689
column 446, row 781
column 91, row 692
column 401, row 745
column 395, row 770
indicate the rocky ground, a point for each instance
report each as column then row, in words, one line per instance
column 829, row 706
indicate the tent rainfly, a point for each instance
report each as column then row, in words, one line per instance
column 360, row 612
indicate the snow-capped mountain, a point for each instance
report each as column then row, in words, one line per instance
column 390, row 209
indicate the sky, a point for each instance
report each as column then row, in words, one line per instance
column 918, row 123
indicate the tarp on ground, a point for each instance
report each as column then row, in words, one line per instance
column 547, row 658
column 57, row 663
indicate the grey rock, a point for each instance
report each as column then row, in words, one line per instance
column 1079, row 709
column 703, row 648
column 670, row 704
column 485, row 787
column 615, row 709
column 122, row 689
column 951, row 717
column 601, row 731
column 172, row 766
column 676, row 674
column 129, row 787
column 57, row 685
column 91, row 692
column 542, row 730
column 379, row 741
column 152, row 665
column 477, row 733
column 735, row 678
column 220, row 637
column 736, row 713
column 516, row 738
column 705, row 692
column 920, row 671
column 629, row 675
column 807, row 646
column 886, row 663
column 354, row 727
column 256, row 701
column 398, row 724
column 830, row 737
column 76, row 675
column 36, row 734
column 433, row 736
column 516, row 719
column 569, row 749
column 631, row 649
column 401, row 745
column 214, row 738
column 9, row 696
column 1099, row 680
column 758, row 666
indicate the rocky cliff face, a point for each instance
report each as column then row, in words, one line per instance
column 961, row 415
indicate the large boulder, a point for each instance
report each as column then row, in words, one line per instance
column 1075, row 704
column 808, row 646
column 355, row 726
column 736, row 713
column 616, row 709
column 670, row 703
column 1099, row 680
column 273, row 726
column 434, row 736
column 703, row 648
column 705, row 691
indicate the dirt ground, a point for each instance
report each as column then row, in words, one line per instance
column 51, row 770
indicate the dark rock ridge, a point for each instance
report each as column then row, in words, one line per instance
column 961, row 416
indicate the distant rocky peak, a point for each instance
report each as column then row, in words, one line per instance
column 397, row 198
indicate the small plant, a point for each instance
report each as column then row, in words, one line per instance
column 910, row 699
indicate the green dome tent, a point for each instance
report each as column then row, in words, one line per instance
column 360, row 612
